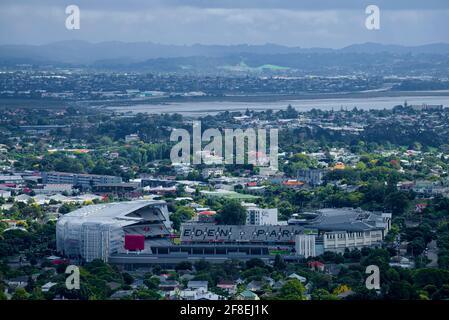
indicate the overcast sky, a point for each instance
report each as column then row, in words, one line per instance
column 304, row 23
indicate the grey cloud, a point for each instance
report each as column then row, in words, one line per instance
column 297, row 23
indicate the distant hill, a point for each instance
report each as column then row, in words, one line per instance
column 370, row 47
column 86, row 53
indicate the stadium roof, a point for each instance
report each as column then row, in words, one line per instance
column 116, row 212
column 347, row 219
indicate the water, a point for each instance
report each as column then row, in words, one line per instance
column 200, row 108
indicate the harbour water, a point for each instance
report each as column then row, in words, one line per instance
column 199, row 108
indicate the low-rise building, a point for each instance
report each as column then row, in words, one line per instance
column 247, row 295
column 78, row 179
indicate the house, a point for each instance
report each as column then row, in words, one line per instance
column 401, row 262
column 339, row 166
column 345, row 294
column 197, row 294
column 214, row 172
column 335, row 268
column 41, row 199
column 132, row 138
column 168, row 285
column 270, row 281
column 278, row 285
column 137, row 283
column 121, row 294
column 187, row 276
column 46, row 287
column 5, row 194
column 194, row 285
column 229, row 286
column 22, row 198
column 18, row 282
column 298, row 277
column 316, row 266
column 255, row 286
column 247, row 295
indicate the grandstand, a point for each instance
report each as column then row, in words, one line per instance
column 97, row 231
column 139, row 232
column 198, row 233
column 333, row 230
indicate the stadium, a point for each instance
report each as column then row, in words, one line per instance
column 139, row 232
column 98, row 231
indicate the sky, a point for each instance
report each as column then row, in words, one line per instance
column 303, row 23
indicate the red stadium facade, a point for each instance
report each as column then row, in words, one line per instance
column 134, row 242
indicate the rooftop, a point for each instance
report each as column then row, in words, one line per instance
column 110, row 212
column 347, row 219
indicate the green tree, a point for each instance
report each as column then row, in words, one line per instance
column 232, row 213
column 293, row 289
column 279, row 263
column 20, row 294
column 184, row 265
column 180, row 215
column 323, row 294
column 151, row 282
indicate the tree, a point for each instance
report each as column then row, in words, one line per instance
column 152, row 283
column 184, row 265
column 20, row 294
column 255, row 262
column 180, row 215
column 293, row 289
column 127, row 278
column 202, row 265
column 232, row 213
column 416, row 246
column 323, row 294
column 341, row 289
column 279, row 263
column 146, row 294
column 398, row 202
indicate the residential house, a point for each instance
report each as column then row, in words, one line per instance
column 121, row 294
column 194, row 285
column 297, row 277
column 17, row 282
column 247, row 295
column 46, row 287
column 194, row 294
column 255, row 286
column 316, row 266
column 229, row 286
column 168, row 285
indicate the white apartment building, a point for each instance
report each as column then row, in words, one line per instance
column 259, row 216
